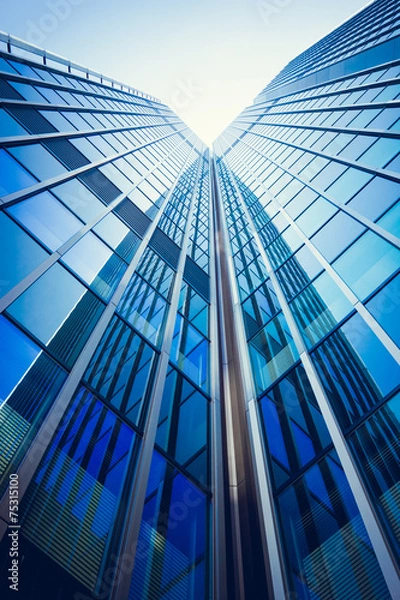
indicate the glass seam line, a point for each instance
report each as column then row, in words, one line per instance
column 219, row 562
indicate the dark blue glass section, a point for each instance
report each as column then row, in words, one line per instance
column 183, row 426
column 172, row 549
column 80, row 479
column 328, row 552
column 295, row 431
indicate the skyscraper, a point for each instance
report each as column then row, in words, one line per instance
column 200, row 379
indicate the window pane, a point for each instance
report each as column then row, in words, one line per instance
column 367, row 263
column 22, row 252
column 47, row 219
column 356, row 370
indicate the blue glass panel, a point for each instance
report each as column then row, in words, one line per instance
column 75, row 481
column 78, row 198
column 17, row 353
column 8, row 126
column 376, row 448
column 356, row 370
column 22, row 252
column 325, row 539
column 38, row 161
column 367, row 263
column 348, row 184
column 376, row 197
column 172, row 540
column 46, row 304
column 47, row 219
column 385, row 308
column 336, row 235
column 272, row 352
column 13, row 177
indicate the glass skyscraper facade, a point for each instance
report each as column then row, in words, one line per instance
column 200, row 349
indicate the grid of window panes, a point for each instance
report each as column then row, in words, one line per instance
column 316, row 175
column 376, row 24
column 173, row 549
column 97, row 186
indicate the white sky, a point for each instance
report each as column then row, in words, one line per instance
column 207, row 59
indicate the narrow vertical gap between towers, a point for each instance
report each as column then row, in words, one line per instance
column 245, row 552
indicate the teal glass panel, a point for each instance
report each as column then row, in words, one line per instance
column 384, row 306
column 376, row 448
column 319, row 308
column 143, row 308
column 189, row 351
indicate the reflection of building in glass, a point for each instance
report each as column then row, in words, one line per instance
column 199, row 351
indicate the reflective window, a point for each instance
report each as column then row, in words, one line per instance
column 189, row 351
column 183, row 425
column 8, row 126
column 272, row 352
column 120, row 370
column 143, row 308
column 29, row 383
column 21, row 254
column 356, row 370
column 13, row 176
column 38, row 161
column 319, row 308
column 90, row 259
column 367, row 263
column 376, row 448
column 81, row 478
column 294, row 427
column 78, row 198
column 47, row 219
column 385, row 305
column 173, row 557
column 44, row 306
column 337, row 235
column 260, row 308
column 325, row 539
